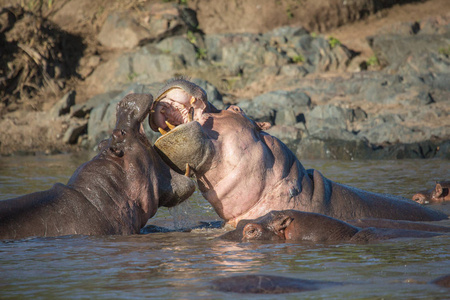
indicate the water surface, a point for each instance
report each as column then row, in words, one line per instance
column 180, row 265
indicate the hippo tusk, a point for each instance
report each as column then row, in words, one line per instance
column 162, row 131
column 191, row 114
column 188, row 170
column 193, row 100
column 170, row 125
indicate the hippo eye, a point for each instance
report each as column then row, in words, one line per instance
column 252, row 231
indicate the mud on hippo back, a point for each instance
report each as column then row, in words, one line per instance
column 245, row 172
column 114, row 193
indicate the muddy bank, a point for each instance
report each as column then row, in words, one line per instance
column 384, row 95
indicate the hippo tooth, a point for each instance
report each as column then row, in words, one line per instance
column 188, row 170
column 191, row 114
column 163, row 132
column 170, row 125
column 192, row 100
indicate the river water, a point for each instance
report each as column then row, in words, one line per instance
column 181, row 265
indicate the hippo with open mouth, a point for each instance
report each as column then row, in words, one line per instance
column 244, row 172
column 114, row 193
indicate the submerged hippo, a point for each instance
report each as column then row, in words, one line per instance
column 440, row 193
column 244, row 172
column 114, row 193
column 304, row 226
column 273, row 284
column 268, row 284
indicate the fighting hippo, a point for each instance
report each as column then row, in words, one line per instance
column 244, row 172
column 305, row 226
column 114, row 193
column 440, row 193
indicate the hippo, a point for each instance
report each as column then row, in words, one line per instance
column 440, row 193
column 115, row 193
column 294, row 225
column 267, row 284
column 275, row 284
column 245, row 172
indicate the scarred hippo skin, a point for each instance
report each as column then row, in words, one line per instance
column 296, row 225
column 245, row 172
column 114, row 193
column 440, row 193
column 267, row 284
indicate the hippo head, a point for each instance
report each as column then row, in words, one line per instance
column 220, row 147
column 440, row 193
column 292, row 225
column 146, row 176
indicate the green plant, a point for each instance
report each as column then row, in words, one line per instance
column 289, row 12
column 191, row 37
column 298, row 59
column 372, row 61
column 313, row 34
column 334, row 42
column 201, row 53
column 444, row 51
column 131, row 76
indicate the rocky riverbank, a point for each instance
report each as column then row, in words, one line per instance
column 388, row 97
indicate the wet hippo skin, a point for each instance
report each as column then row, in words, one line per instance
column 245, row 172
column 274, row 284
column 114, row 193
column 296, row 225
column 267, row 284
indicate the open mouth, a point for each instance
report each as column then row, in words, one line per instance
column 174, row 107
column 179, row 146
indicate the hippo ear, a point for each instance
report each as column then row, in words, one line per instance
column 438, row 190
column 281, row 224
column 263, row 125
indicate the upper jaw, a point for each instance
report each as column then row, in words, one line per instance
column 174, row 107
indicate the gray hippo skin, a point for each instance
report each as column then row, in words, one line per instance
column 439, row 194
column 114, row 193
column 267, row 284
column 273, row 284
column 296, row 225
column 245, row 172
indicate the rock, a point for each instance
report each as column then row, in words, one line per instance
column 120, row 30
column 63, row 106
column 327, row 117
column 81, row 110
column 146, row 65
column 154, row 22
column 412, row 53
column 318, row 148
column 179, row 46
column 103, row 117
column 74, row 131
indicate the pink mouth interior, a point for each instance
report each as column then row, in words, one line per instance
column 175, row 106
column 171, row 111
